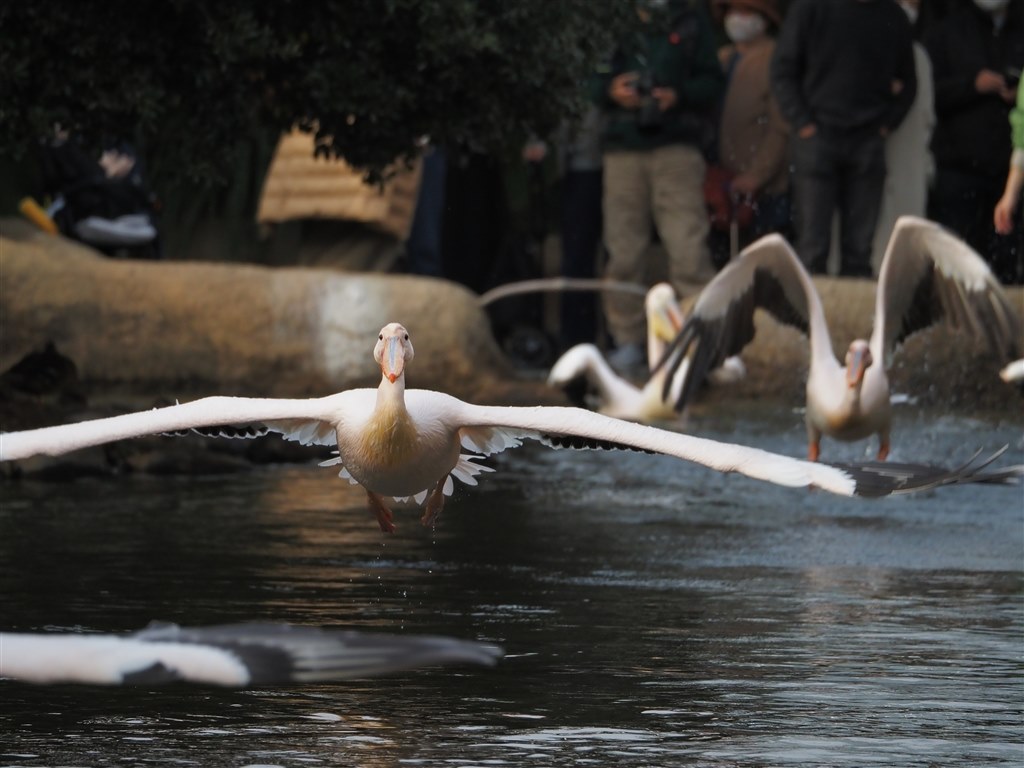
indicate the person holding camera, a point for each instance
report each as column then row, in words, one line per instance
column 658, row 93
column 977, row 52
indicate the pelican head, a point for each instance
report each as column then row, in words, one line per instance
column 663, row 311
column 393, row 350
column 664, row 320
column 858, row 360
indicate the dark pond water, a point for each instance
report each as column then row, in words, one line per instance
column 654, row 614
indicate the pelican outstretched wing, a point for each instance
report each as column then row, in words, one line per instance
column 929, row 275
column 560, row 427
column 307, row 421
column 766, row 275
column 492, row 429
column 229, row 655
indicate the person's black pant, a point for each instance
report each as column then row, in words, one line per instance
column 844, row 172
column 581, row 236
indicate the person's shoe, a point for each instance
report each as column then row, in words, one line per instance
column 628, row 358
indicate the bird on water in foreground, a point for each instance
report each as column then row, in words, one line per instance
column 409, row 443
column 928, row 275
column 232, row 655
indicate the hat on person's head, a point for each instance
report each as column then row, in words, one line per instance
column 767, row 8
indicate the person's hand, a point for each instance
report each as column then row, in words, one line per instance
column 990, row 81
column 116, row 165
column 807, row 131
column 535, row 151
column 744, row 185
column 666, row 97
column 622, row 90
column 1002, row 217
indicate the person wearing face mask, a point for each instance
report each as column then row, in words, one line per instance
column 752, row 136
column 977, row 52
column 843, row 74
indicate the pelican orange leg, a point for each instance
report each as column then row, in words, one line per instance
column 435, row 502
column 380, row 509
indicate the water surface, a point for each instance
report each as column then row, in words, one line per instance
column 654, row 613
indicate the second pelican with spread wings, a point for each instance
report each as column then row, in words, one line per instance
column 927, row 275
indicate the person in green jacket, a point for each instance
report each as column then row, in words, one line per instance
column 658, row 92
column 1009, row 202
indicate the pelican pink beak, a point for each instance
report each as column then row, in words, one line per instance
column 392, row 361
column 675, row 317
column 663, row 312
column 393, row 351
column 857, row 361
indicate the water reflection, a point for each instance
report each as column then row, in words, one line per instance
column 654, row 614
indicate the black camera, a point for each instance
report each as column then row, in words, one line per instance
column 649, row 116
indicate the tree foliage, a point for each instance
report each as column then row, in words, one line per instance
column 186, row 79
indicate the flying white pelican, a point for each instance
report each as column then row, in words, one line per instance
column 927, row 275
column 621, row 398
column 405, row 444
column 233, row 655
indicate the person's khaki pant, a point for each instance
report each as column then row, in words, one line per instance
column 665, row 185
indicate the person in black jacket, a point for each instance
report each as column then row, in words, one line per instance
column 977, row 52
column 843, row 74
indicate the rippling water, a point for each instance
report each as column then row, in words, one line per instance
column 654, row 614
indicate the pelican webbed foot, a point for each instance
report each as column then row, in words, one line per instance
column 435, row 502
column 380, row 509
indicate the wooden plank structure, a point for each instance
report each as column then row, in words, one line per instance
column 301, row 186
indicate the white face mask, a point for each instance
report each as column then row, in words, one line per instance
column 742, row 26
column 910, row 9
column 992, row 6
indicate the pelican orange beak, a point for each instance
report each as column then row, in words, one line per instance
column 857, row 364
column 667, row 322
column 392, row 361
column 675, row 318
column 663, row 313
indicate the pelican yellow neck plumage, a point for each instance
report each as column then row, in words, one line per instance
column 390, row 433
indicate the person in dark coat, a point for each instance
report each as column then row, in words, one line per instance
column 977, row 52
column 843, row 74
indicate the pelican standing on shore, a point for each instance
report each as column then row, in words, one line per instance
column 621, row 398
column 927, row 275
column 408, row 443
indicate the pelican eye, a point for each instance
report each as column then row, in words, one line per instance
column 381, row 337
column 407, row 337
